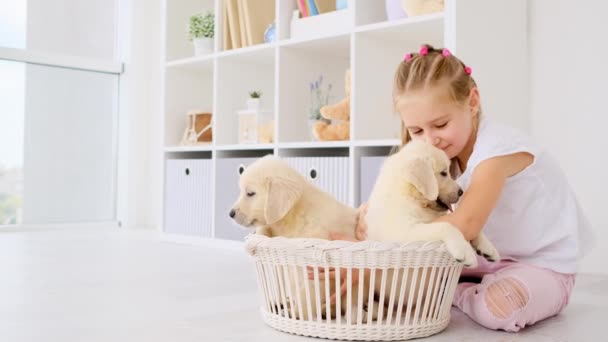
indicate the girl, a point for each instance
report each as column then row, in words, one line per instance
column 514, row 191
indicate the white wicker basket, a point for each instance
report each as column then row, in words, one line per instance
column 292, row 303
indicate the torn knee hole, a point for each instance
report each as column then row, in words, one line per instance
column 506, row 296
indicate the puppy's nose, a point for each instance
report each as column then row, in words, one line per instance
column 232, row 213
column 460, row 192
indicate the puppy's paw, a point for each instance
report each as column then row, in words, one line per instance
column 332, row 311
column 278, row 308
column 365, row 312
column 462, row 251
column 485, row 248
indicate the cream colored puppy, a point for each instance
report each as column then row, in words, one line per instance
column 414, row 188
column 278, row 201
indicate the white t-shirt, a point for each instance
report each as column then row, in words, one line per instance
column 537, row 218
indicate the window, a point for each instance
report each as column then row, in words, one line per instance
column 12, row 103
column 59, row 104
column 12, row 23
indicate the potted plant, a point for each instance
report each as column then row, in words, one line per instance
column 201, row 32
column 253, row 103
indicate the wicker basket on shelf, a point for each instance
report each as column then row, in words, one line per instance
column 394, row 291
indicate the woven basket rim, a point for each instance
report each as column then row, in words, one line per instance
column 254, row 241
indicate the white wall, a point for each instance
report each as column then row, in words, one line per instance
column 568, row 111
column 72, row 27
column 140, row 155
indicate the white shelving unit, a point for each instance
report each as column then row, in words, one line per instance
column 488, row 36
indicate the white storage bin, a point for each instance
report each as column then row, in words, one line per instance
column 420, row 295
column 369, row 168
column 227, row 191
column 328, row 173
column 188, row 192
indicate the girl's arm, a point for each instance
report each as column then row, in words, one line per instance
column 479, row 200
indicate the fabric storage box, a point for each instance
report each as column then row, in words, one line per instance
column 228, row 171
column 369, row 170
column 188, row 192
column 328, row 173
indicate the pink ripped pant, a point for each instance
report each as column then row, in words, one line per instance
column 512, row 294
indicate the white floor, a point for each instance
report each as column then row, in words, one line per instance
column 116, row 285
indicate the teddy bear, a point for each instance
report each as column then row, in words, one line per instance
column 339, row 129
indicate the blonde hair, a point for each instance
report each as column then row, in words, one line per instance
column 430, row 68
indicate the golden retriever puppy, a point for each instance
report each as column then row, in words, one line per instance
column 278, row 201
column 414, row 188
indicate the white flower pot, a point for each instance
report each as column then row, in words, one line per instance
column 203, row 46
column 253, row 104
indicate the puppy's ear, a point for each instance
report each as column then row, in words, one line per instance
column 282, row 194
column 419, row 173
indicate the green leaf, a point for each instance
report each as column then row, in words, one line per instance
column 201, row 26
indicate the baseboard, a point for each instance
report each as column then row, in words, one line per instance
column 202, row 241
column 58, row 226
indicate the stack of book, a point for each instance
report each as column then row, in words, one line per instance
column 244, row 22
column 316, row 18
column 309, row 8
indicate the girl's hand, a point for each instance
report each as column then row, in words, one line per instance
column 332, row 277
column 360, row 234
column 360, row 229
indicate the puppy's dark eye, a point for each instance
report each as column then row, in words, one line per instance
column 444, row 173
column 250, row 193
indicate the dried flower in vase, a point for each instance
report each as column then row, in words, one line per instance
column 319, row 97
